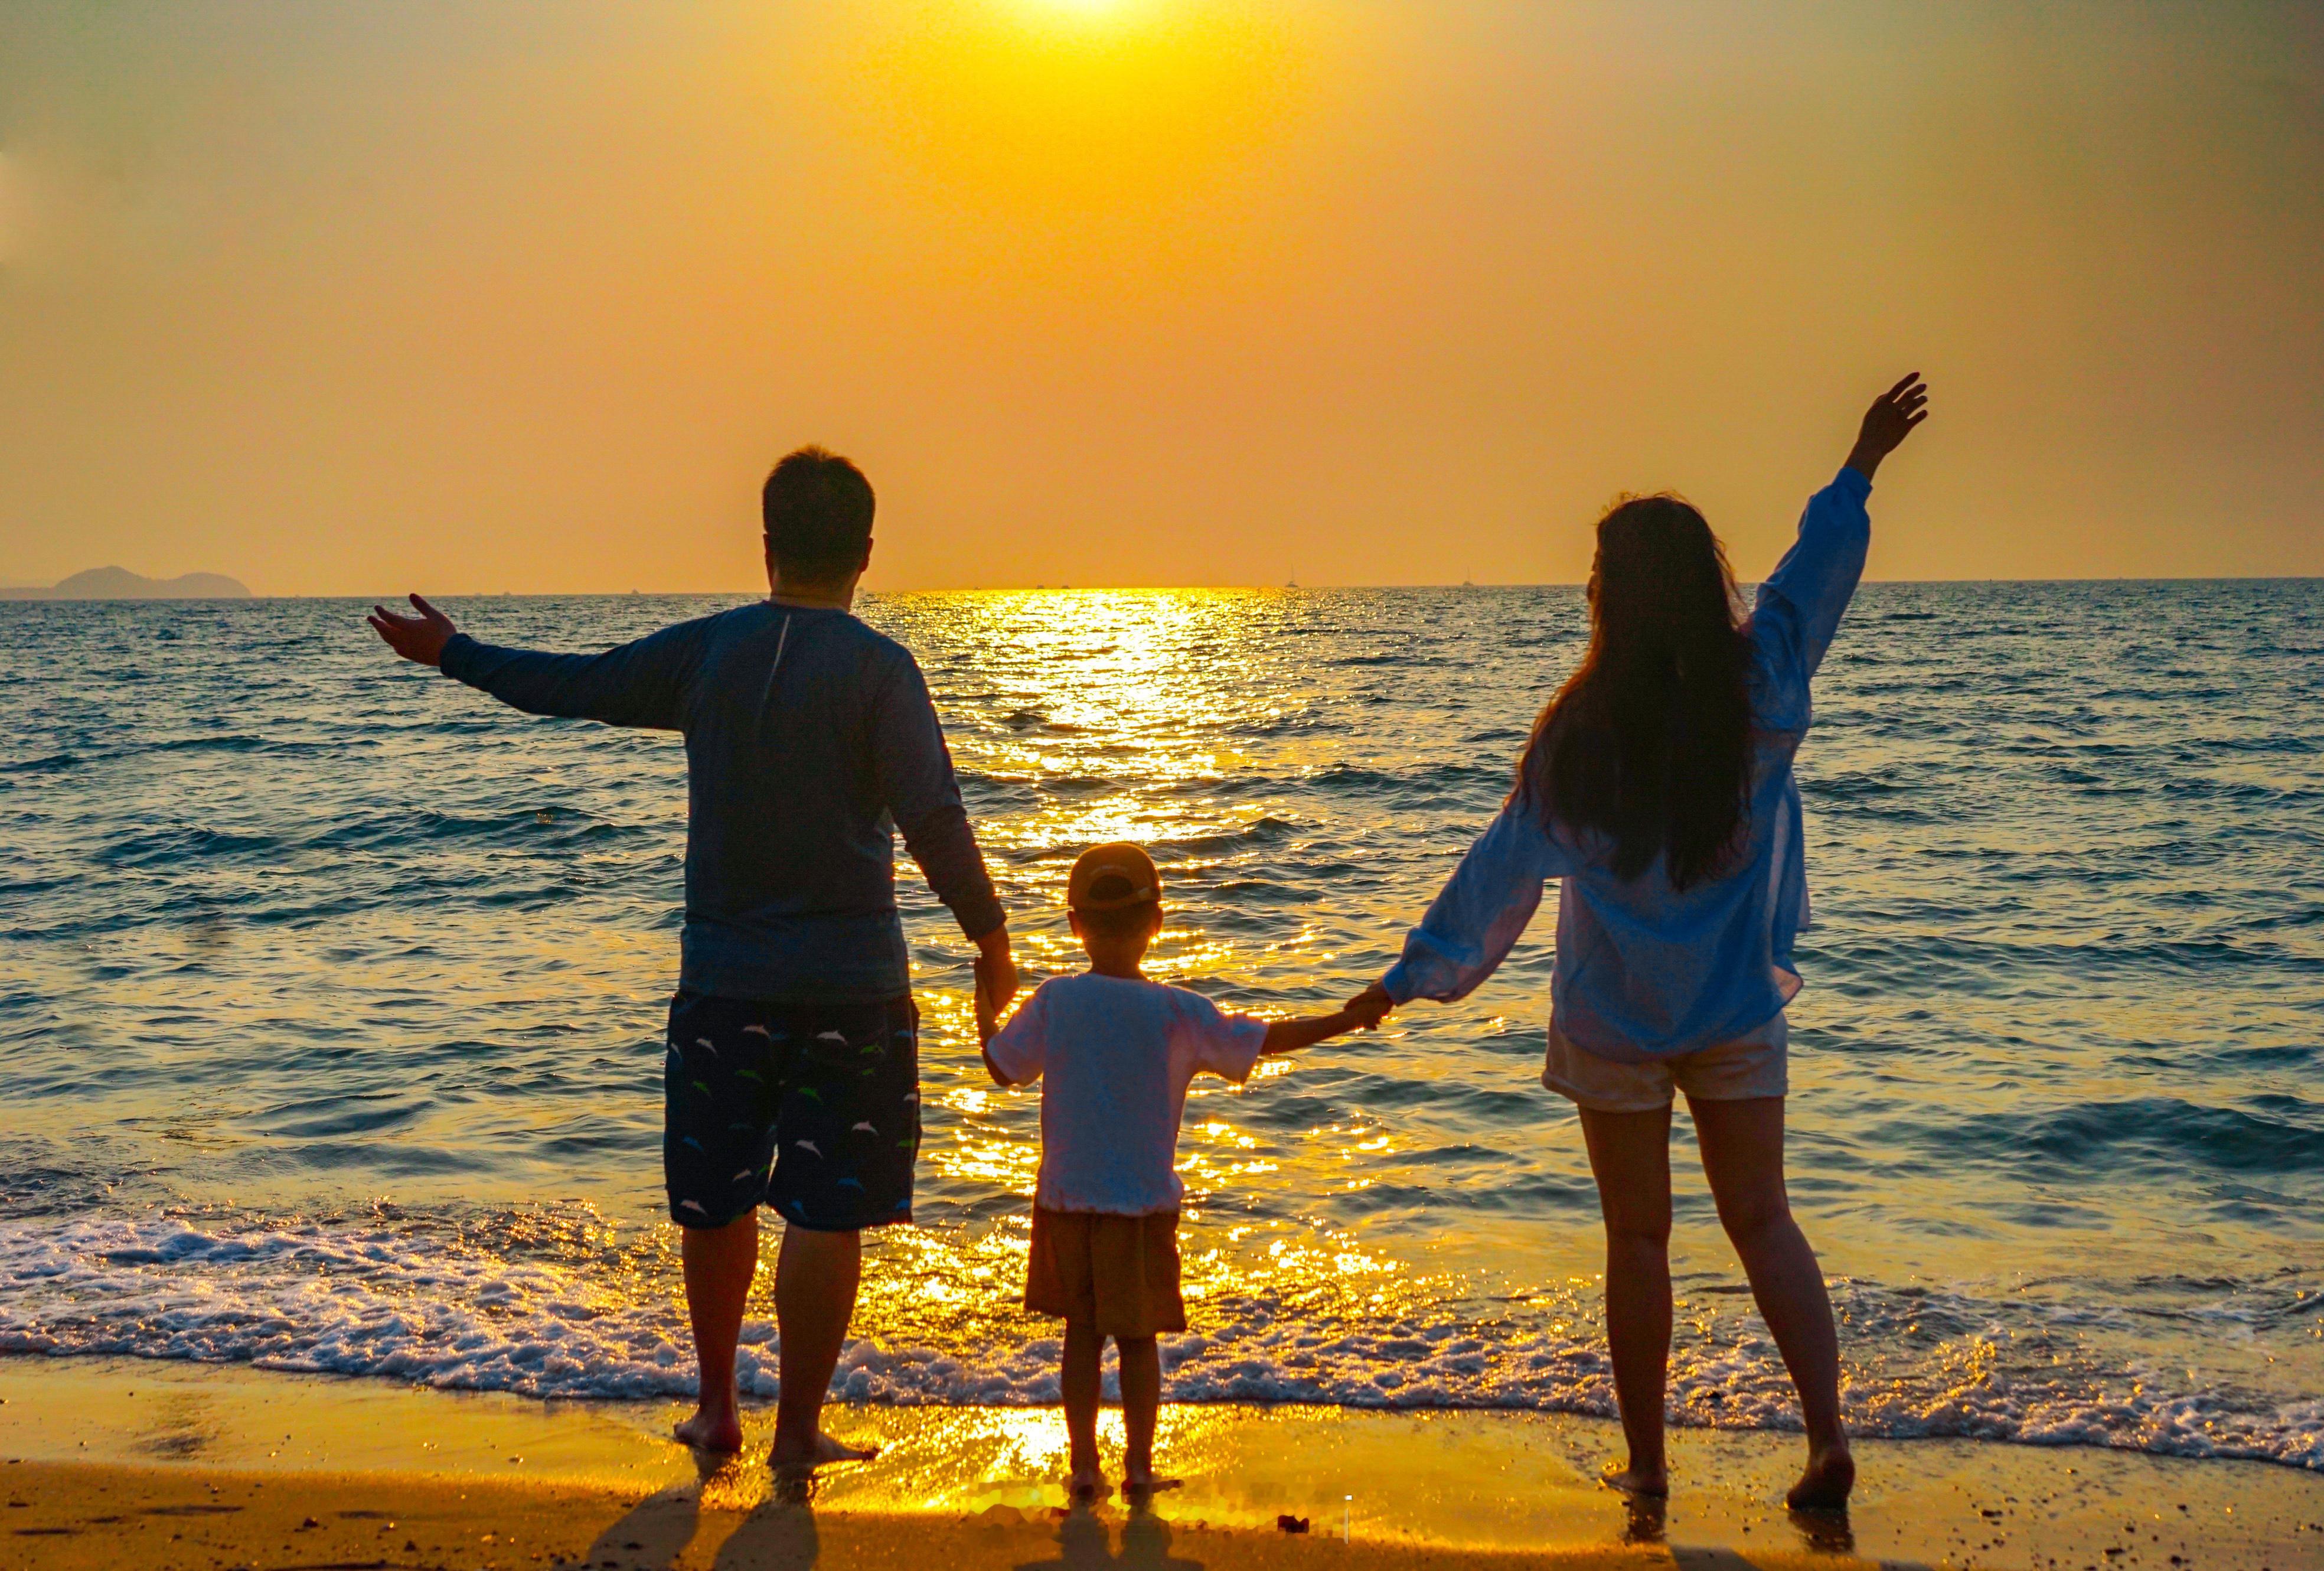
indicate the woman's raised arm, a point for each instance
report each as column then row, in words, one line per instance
column 1800, row 604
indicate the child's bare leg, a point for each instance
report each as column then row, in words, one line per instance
column 1141, row 1398
column 1080, row 1383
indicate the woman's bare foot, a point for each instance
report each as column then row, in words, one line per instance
column 711, row 1429
column 1645, row 1483
column 1086, row 1482
column 821, row 1452
column 1823, row 1487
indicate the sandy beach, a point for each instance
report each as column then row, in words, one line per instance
column 1383, row 761
column 128, row 1463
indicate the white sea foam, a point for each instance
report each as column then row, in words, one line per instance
column 377, row 1301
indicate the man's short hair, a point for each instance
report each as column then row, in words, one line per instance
column 817, row 508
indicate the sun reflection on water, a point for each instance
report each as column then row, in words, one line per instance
column 1122, row 714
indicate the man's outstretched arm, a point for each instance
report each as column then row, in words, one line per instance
column 641, row 683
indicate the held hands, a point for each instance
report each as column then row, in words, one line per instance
column 419, row 638
column 1886, row 424
column 1371, row 1006
column 988, row 1016
column 996, row 981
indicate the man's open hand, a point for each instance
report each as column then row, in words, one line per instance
column 1886, row 424
column 419, row 638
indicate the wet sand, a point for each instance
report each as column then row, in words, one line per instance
column 122, row 1462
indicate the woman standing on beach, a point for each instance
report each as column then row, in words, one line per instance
column 1658, row 789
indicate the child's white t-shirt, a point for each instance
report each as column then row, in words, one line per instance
column 1114, row 1056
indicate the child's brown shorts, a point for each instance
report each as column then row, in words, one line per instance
column 1117, row 1273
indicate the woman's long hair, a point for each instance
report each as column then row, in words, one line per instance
column 1650, row 740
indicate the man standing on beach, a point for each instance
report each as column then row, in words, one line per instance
column 792, row 1072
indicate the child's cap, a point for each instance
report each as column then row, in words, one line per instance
column 1110, row 878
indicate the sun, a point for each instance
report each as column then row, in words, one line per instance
column 1080, row 10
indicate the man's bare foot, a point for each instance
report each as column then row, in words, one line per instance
column 708, row 1430
column 1823, row 1487
column 1644, row 1483
column 822, row 1452
column 1086, row 1482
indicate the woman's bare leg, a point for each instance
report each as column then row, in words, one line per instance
column 1743, row 1156
column 1629, row 1156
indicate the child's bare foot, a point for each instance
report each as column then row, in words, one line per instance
column 1644, row 1483
column 819, row 1452
column 1823, row 1487
column 1086, row 1482
column 1139, row 1481
column 712, row 1428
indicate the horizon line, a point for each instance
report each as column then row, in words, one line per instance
column 1131, row 588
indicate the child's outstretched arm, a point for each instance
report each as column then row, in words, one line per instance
column 1288, row 1036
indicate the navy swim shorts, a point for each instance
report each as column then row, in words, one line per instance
column 812, row 1109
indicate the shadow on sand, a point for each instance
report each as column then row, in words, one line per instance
column 652, row 1534
column 1084, row 1543
column 780, row 1535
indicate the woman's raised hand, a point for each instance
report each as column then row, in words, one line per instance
column 1886, row 424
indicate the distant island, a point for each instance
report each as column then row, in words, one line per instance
column 121, row 584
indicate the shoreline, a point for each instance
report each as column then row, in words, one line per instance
column 110, row 1457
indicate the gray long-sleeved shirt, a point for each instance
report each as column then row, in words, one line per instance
column 809, row 739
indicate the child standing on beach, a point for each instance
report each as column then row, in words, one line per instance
column 1114, row 1053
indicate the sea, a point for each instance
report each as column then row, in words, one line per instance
column 332, row 996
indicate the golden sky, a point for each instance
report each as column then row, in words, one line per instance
column 349, row 299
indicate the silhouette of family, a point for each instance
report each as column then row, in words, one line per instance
column 1656, row 788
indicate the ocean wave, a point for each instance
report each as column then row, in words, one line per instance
column 46, row 764
column 167, row 847
column 428, row 1306
column 1265, row 830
